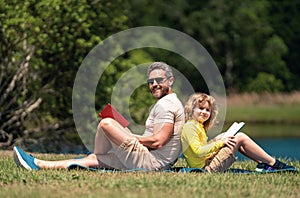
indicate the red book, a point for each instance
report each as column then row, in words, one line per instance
column 110, row 112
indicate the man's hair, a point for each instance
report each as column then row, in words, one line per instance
column 160, row 65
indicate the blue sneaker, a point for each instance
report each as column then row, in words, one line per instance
column 24, row 160
column 277, row 167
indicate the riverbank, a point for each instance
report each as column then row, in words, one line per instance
column 264, row 108
column 265, row 115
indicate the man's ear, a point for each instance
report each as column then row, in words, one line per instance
column 171, row 81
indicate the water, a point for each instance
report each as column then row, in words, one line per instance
column 286, row 148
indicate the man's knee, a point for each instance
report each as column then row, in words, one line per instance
column 105, row 123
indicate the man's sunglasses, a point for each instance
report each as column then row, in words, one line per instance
column 157, row 80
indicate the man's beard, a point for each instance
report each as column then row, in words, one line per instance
column 164, row 92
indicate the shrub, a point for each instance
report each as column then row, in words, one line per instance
column 265, row 82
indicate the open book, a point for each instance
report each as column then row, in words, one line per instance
column 234, row 128
column 110, row 112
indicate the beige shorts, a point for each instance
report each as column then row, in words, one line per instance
column 221, row 161
column 131, row 154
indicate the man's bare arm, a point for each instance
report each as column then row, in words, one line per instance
column 161, row 135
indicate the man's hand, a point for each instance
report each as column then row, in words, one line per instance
column 161, row 135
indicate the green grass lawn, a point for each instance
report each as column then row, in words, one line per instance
column 17, row 182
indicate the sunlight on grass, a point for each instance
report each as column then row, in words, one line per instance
column 16, row 182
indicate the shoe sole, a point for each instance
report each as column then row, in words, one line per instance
column 19, row 160
column 259, row 170
column 276, row 170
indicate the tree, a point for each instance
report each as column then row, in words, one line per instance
column 284, row 17
column 240, row 38
column 42, row 46
column 18, row 95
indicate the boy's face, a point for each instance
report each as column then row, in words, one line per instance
column 202, row 112
column 159, row 84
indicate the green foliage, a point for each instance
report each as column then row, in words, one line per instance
column 284, row 17
column 240, row 36
column 140, row 102
column 57, row 35
column 265, row 82
column 18, row 79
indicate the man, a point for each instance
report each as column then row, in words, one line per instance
column 116, row 147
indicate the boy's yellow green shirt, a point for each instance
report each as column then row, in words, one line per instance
column 195, row 147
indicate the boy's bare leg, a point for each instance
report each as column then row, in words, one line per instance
column 252, row 150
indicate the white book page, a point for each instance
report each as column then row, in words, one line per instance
column 234, row 128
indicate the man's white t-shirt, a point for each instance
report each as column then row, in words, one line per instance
column 168, row 109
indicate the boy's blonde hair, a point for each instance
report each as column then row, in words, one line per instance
column 197, row 100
